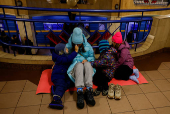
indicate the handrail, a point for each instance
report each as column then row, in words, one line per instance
column 61, row 21
column 81, row 10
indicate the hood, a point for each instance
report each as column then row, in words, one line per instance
column 69, row 44
column 124, row 45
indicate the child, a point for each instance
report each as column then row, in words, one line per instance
column 59, row 74
column 125, row 63
column 80, row 71
column 105, row 67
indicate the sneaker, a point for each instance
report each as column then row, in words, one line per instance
column 111, row 91
column 80, row 99
column 97, row 91
column 56, row 104
column 117, row 92
column 89, row 97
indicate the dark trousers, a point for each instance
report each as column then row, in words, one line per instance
column 28, row 51
column 5, row 47
column 61, row 85
column 100, row 79
column 123, row 72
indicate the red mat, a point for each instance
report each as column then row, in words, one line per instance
column 45, row 83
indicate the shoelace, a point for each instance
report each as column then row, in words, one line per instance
column 117, row 89
column 111, row 88
column 80, row 97
column 90, row 94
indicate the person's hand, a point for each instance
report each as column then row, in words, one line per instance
column 53, row 66
column 67, row 50
column 76, row 48
column 84, row 61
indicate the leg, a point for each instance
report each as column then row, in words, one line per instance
column 88, row 74
column 88, row 83
column 123, row 72
column 8, row 49
column 79, row 83
column 136, row 72
column 79, row 75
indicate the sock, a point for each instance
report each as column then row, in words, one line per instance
column 136, row 72
column 134, row 79
column 79, row 89
column 89, row 88
column 56, row 97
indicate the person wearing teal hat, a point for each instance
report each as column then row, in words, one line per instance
column 80, row 71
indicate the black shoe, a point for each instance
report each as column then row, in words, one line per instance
column 80, row 99
column 89, row 97
column 98, row 91
column 105, row 90
column 56, row 104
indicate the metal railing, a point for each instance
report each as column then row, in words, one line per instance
column 76, row 10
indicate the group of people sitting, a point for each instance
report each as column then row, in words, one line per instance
column 15, row 41
column 75, row 65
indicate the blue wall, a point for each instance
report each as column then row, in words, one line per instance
column 142, row 27
column 11, row 25
column 41, row 36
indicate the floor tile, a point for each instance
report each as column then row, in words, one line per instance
column 157, row 99
column 98, row 108
column 2, row 85
column 131, row 89
column 71, row 108
column 167, row 94
column 120, row 105
column 27, row 110
column 30, row 86
column 29, row 98
column 168, row 80
column 164, row 110
column 149, row 87
column 7, row 111
column 70, row 96
column 45, row 109
column 139, row 102
column 163, row 85
column 167, row 64
column 46, row 99
column 149, row 111
column 165, row 73
column 154, row 75
column 9, row 100
column 145, row 75
column 162, row 67
column 14, row 86
column 125, row 113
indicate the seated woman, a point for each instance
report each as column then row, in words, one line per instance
column 81, row 71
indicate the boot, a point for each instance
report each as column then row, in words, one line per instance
column 80, row 99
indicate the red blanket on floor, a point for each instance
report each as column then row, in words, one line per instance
column 45, row 83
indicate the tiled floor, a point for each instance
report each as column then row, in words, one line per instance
column 18, row 97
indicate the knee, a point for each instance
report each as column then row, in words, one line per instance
column 78, row 65
column 88, row 64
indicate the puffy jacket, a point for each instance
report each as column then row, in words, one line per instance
column 124, row 56
column 88, row 55
column 107, row 62
column 62, row 62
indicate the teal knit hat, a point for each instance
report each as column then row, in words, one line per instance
column 103, row 45
column 77, row 36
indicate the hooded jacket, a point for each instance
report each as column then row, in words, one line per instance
column 88, row 55
column 124, row 56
